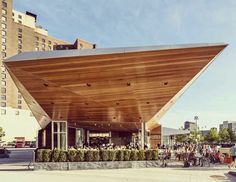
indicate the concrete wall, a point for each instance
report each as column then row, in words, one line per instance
column 94, row 165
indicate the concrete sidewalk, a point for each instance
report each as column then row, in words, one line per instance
column 119, row 175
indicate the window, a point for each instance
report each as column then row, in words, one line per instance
column 13, row 14
column 36, row 43
column 4, row 25
column 3, row 104
column 37, row 48
column 4, row 18
column 4, row 12
column 49, row 42
column 4, row 33
column 19, row 35
column 19, row 101
column 43, row 40
column 19, row 46
column 19, row 96
column 37, row 38
column 19, row 41
column 19, row 30
column 17, row 112
column 3, row 68
column 3, row 75
column 3, row 111
column 19, row 21
column 4, row 4
column 3, row 97
column 3, row 90
column 50, row 47
column 81, row 46
column 43, row 45
column 4, row 40
column 59, row 135
column 19, row 107
column 4, row 54
column 3, row 83
column 19, row 16
column 4, row 47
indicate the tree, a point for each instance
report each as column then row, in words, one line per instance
column 232, row 136
column 195, row 136
column 224, row 135
column 181, row 138
column 2, row 133
column 212, row 136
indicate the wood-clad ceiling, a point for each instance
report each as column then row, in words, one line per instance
column 108, row 90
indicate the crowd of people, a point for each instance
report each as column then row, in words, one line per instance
column 200, row 154
column 189, row 154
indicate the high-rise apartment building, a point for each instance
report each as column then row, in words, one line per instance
column 20, row 32
column 190, row 126
column 228, row 125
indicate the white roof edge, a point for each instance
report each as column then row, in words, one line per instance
column 36, row 55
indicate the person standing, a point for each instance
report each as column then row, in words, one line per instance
column 233, row 155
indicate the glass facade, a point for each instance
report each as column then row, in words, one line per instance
column 59, row 135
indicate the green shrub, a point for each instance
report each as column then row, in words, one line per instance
column 96, row 155
column 88, row 155
column 120, row 155
column 39, row 155
column 148, row 154
column 154, row 154
column 80, row 155
column 126, row 155
column 141, row 155
column 133, row 155
column 72, row 153
column 62, row 156
column 104, row 155
column 55, row 155
column 46, row 155
column 112, row 155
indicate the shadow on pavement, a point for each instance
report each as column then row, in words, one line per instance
column 230, row 177
column 16, row 170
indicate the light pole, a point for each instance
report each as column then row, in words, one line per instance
column 196, row 118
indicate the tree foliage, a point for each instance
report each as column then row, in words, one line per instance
column 232, row 136
column 181, row 138
column 212, row 136
column 224, row 135
column 195, row 136
column 2, row 133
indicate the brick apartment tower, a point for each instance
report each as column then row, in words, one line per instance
column 20, row 32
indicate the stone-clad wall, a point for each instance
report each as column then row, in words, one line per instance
column 94, row 165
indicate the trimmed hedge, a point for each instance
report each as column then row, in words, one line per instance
column 80, row 155
column 72, row 155
column 120, row 155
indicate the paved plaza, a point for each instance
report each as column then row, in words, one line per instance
column 15, row 169
column 137, row 175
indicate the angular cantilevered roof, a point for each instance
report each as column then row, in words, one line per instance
column 108, row 89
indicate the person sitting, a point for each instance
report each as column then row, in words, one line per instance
column 192, row 158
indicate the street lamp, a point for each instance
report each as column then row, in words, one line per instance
column 196, row 118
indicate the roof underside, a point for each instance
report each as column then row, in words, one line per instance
column 107, row 88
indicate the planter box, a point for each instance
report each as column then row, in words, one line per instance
column 94, row 165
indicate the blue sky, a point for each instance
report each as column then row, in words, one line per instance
column 120, row 23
